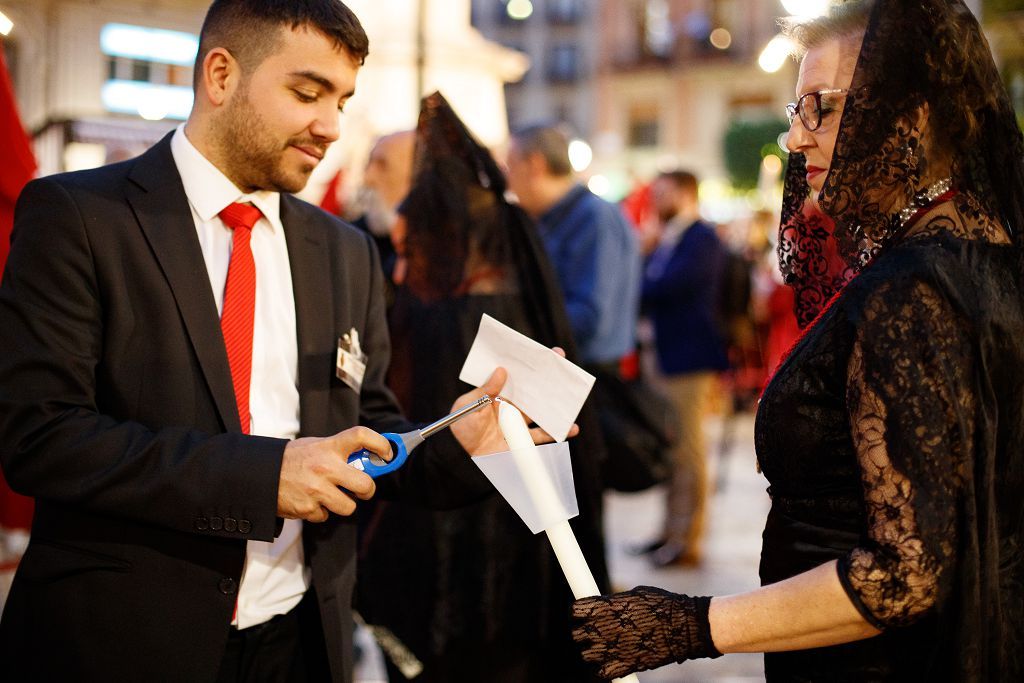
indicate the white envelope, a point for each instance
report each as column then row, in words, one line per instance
column 542, row 384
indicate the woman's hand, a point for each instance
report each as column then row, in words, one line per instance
column 642, row 629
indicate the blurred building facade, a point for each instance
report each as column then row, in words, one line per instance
column 674, row 75
column 61, row 73
column 89, row 73
column 649, row 83
column 560, row 37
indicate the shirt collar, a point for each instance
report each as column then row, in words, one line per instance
column 209, row 191
column 553, row 216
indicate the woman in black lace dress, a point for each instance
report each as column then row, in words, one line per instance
column 893, row 434
column 471, row 592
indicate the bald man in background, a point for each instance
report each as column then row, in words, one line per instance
column 386, row 181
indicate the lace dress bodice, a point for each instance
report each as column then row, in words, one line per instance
column 893, row 441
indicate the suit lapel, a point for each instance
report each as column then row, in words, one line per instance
column 308, row 254
column 161, row 207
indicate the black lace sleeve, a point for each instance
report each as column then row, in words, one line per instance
column 912, row 411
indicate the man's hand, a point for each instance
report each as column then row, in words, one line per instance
column 315, row 471
column 479, row 432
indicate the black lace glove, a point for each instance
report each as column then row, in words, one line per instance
column 642, row 629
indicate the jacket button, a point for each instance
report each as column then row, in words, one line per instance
column 216, row 523
column 244, row 526
column 202, row 524
column 228, row 586
column 230, row 524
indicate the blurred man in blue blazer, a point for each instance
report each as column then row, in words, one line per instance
column 681, row 285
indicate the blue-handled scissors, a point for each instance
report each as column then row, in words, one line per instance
column 402, row 444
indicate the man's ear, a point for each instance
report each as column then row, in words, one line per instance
column 220, row 77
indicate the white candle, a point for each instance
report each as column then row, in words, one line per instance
column 545, row 498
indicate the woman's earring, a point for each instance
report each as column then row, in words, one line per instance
column 915, row 161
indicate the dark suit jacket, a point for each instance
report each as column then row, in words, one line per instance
column 117, row 413
column 682, row 302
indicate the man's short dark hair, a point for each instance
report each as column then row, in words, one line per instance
column 248, row 29
column 684, row 180
column 550, row 141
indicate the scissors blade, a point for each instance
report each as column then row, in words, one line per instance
column 448, row 420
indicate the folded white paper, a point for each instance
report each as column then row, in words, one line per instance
column 542, row 384
column 506, row 476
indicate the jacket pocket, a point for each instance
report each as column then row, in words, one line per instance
column 50, row 561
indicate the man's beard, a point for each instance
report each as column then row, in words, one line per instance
column 254, row 159
column 380, row 217
column 667, row 214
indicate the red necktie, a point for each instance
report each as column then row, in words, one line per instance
column 236, row 319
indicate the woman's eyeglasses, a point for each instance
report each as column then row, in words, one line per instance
column 808, row 107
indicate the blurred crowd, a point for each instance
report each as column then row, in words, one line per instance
column 664, row 307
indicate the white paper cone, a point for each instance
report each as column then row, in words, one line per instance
column 502, row 470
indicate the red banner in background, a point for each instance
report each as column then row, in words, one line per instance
column 17, row 166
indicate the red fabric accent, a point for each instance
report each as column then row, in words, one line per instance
column 783, row 329
column 17, row 168
column 19, row 165
column 638, row 205
column 239, row 313
column 629, row 366
column 805, row 331
column 331, row 203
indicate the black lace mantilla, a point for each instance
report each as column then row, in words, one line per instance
column 885, row 153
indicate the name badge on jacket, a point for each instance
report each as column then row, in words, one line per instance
column 351, row 363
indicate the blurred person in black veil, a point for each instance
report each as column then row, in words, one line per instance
column 472, row 593
column 892, row 434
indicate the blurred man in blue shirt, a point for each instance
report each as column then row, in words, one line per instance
column 592, row 246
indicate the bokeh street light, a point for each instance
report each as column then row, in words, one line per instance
column 721, row 38
column 806, row 9
column 580, row 155
column 5, row 25
column 775, row 54
column 519, row 9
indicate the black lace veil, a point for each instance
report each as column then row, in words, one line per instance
column 914, row 53
column 456, row 213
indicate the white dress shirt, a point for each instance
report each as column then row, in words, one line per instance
column 275, row 575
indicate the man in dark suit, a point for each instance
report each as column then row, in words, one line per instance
column 170, row 329
column 680, row 294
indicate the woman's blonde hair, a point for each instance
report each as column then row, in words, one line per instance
column 847, row 19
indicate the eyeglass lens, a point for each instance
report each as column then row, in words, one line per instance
column 809, row 107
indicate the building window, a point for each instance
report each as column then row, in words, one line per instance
column 643, row 126
column 658, row 32
column 565, row 11
column 563, row 63
column 149, row 71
